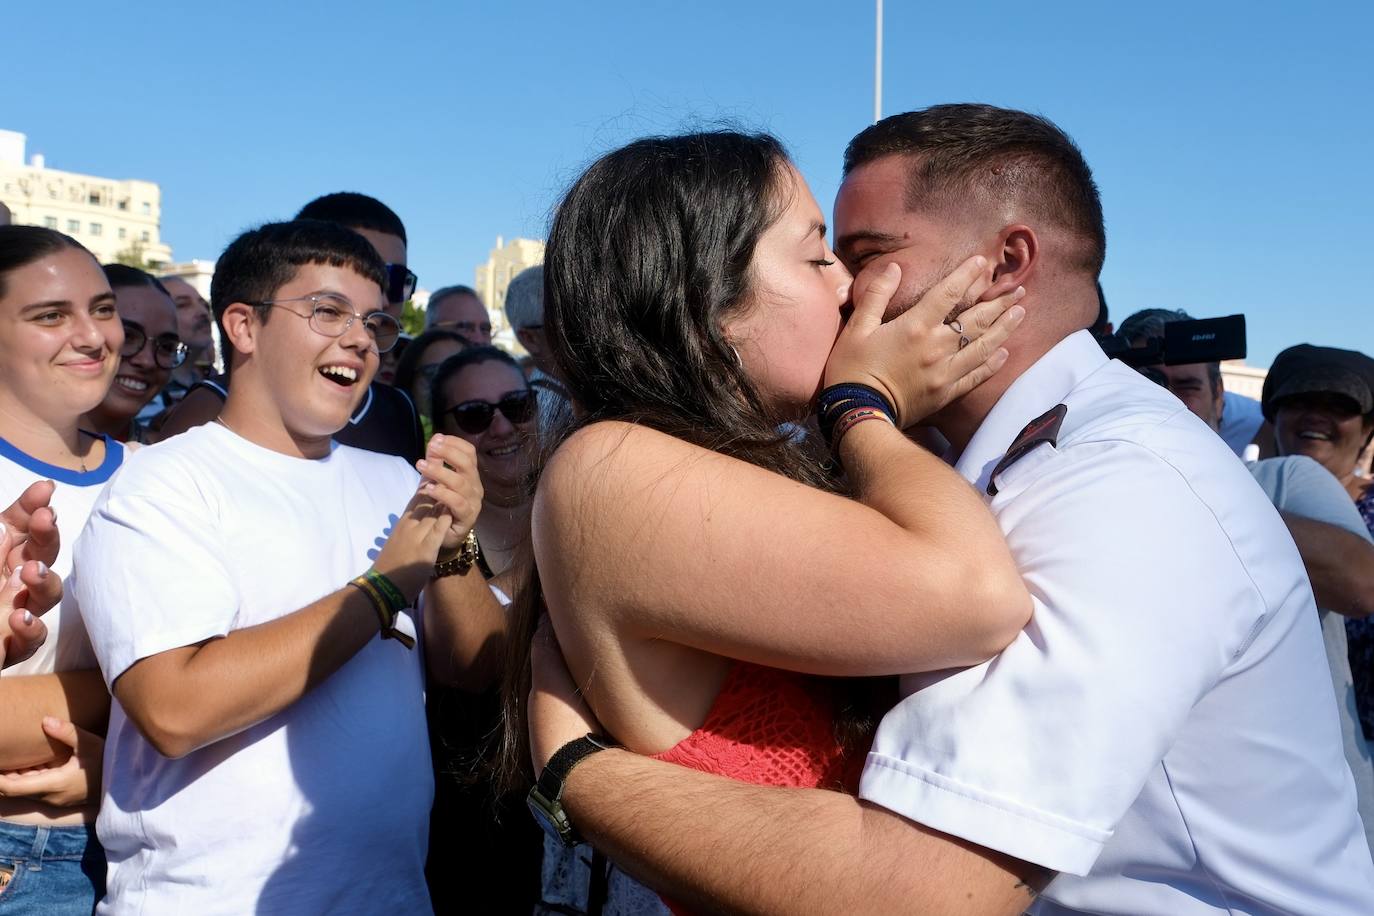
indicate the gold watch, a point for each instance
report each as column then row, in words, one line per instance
column 460, row 562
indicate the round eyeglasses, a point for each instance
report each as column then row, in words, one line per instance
column 474, row 417
column 168, row 350
column 332, row 316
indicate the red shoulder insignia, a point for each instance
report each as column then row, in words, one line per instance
column 1044, row 428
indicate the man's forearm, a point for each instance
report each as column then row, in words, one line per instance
column 465, row 628
column 73, row 696
column 1339, row 564
column 184, row 699
column 726, row 846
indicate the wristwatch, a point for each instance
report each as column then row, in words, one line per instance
column 545, row 799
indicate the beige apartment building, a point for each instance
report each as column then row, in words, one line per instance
column 107, row 215
column 505, row 261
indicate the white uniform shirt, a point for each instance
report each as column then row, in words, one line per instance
column 66, row 648
column 1164, row 727
column 321, row 808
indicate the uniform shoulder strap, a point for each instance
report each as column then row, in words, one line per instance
column 1044, row 428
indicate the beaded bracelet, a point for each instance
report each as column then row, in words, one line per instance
column 388, row 601
column 837, row 400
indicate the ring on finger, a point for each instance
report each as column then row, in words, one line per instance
column 956, row 326
column 963, row 341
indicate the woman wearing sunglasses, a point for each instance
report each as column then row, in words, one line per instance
column 60, row 345
column 488, row 864
column 482, row 396
column 152, row 349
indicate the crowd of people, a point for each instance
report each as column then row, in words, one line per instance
column 776, row 575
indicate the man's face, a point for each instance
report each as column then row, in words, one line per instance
column 317, row 381
column 193, row 318
column 873, row 226
column 462, row 313
column 392, row 250
column 1192, row 384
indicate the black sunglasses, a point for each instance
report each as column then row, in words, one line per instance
column 400, row 283
column 168, row 350
column 474, row 417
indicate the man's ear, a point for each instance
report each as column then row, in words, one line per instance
column 240, row 325
column 1014, row 260
column 531, row 340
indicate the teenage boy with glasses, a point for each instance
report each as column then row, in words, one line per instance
column 268, row 723
column 385, row 421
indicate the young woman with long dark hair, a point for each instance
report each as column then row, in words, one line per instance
column 713, row 584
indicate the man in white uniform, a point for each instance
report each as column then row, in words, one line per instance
column 1164, row 744
column 267, row 750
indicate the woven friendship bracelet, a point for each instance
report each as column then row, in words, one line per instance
column 837, row 400
column 851, row 419
column 387, row 601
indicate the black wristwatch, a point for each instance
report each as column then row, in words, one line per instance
column 546, row 798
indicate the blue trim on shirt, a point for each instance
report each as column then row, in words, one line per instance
column 114, row 456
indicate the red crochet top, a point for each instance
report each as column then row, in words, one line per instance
column 770, row 728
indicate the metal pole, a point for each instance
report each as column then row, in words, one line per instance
column 878, row 68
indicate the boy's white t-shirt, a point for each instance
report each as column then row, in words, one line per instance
column 66, row 648
column 324, row 807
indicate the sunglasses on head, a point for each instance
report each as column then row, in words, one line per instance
column 400, row 283
column 474, row 417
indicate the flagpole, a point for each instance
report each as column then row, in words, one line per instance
column 878, row 67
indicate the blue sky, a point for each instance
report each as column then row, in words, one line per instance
column 1232, row 141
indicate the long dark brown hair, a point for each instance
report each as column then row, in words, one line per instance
column 648, row 257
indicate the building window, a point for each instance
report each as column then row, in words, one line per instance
column 147, row 208
column 143, row 236
column 123, row 205
column 73, row 225
column 93, row 198
column 97, row 229
column 50, row 222
column 123, row 232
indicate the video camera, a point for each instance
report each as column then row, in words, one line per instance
column 1202, row 340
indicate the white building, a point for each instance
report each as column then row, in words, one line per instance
column 109, row 216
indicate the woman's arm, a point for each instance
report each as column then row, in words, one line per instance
column 71, row 696
column 668, row 541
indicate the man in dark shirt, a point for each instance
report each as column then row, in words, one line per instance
column 386, row 421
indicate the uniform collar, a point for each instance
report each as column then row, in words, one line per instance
column 1045, row 384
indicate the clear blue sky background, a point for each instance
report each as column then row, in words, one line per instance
column 1232, row 141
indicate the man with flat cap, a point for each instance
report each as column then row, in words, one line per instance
column 1321, row 402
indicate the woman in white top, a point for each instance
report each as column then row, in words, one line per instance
column 60, row 338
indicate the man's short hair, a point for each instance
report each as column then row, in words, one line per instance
column 525, row 298
column 122, row 275
column 1147, row 324
column 446, row 292
column 963, row 152
column 356, row 211
column 263, row 260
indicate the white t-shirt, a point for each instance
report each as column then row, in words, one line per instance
column 66, row 648
column 324, row 807
column 1162, row 733
column 1298, row 485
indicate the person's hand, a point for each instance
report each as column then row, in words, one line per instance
column 450, row 471
column 556, row 711
column 407, row 558
column 21, row 631
column 71, row 778
column 30, row 540
column 918, row 361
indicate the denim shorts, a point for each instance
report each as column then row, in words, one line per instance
column 53, row 871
